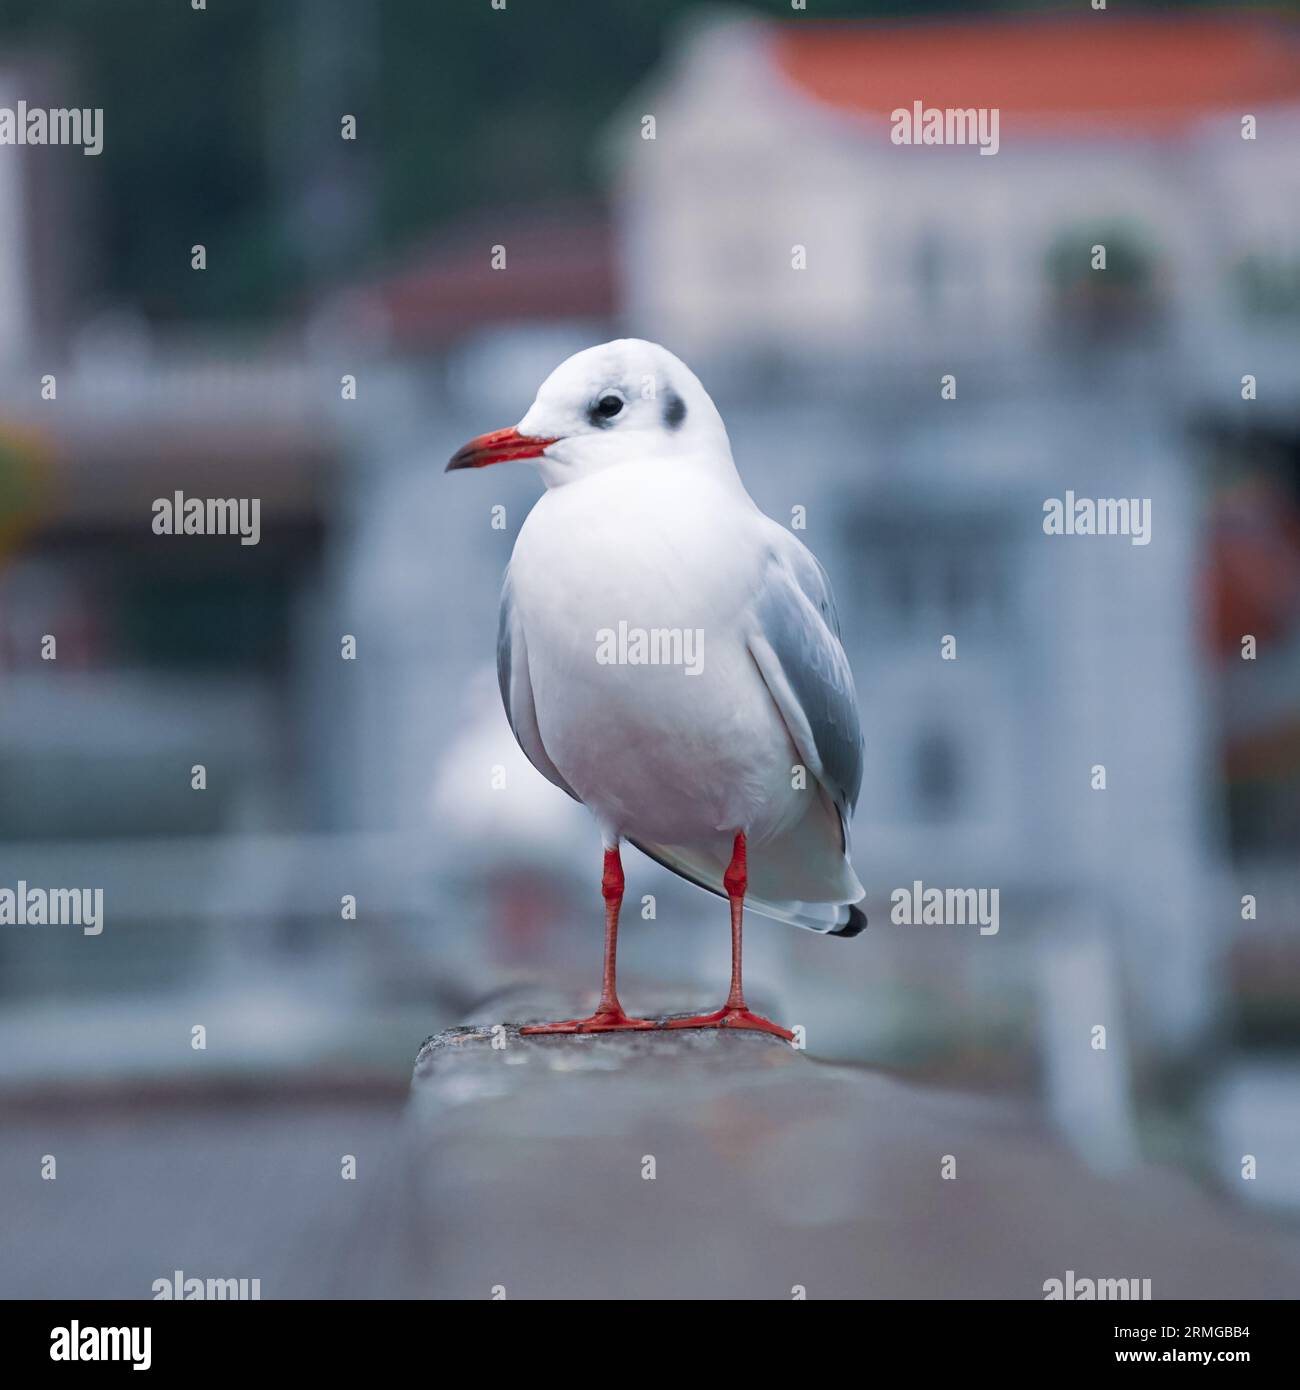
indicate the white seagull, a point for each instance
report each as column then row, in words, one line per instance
column 670, row 656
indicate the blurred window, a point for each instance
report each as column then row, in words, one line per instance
column 1269, row 286
column 936, row 776
column 916, row 571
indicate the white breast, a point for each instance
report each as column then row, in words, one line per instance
column 626, row 583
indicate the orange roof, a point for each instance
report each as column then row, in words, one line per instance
column 1160, row 72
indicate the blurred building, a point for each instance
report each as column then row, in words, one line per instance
column 126, row 657
column 769, row 137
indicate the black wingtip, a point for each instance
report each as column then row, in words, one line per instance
column 856, row 924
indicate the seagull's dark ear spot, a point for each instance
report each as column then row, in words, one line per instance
column 674, row 409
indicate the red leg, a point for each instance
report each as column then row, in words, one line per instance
column 735, row 1013
column 609, row 1016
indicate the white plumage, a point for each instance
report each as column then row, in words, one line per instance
column 736, row 713
column 670, row 658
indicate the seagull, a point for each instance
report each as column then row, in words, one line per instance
column 670, row 657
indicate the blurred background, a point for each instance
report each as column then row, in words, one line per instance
column 1166, row 907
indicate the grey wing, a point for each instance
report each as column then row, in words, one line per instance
column 798, row 651
column 517, row 691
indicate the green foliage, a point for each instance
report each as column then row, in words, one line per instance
column 22, row 477
column 222, row 127
column 1269, row 286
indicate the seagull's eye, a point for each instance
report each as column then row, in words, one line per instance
column 602, row 411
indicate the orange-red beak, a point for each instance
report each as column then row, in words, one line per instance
column 500, row 446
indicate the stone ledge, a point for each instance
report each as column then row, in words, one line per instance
column 706, row 1164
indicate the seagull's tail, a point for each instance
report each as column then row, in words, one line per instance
column 801, row 861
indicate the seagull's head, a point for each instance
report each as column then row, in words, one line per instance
column 623, row 403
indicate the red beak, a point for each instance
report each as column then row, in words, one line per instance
column 500, row 446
